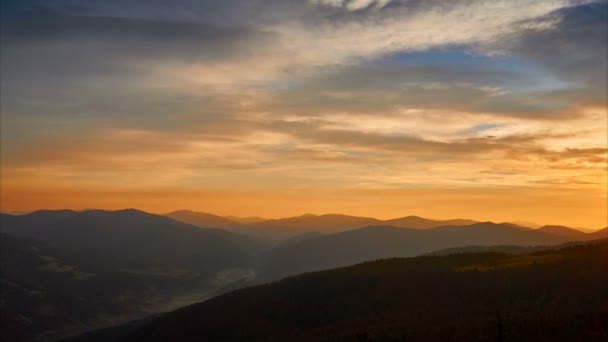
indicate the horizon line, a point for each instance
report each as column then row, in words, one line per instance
column 513, row 222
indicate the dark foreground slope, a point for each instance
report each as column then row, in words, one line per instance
column 46, row 294
column 557, row 295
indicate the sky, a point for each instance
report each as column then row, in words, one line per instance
column 490, row 110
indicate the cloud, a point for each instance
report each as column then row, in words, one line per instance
column 477, row 86
column 574, row 50
column 327, row 95
column 294, row 39
column 290, row 151
column 352, row 5
column 57, row 48
column 575, row 47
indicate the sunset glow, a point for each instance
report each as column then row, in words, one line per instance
column 488, row 110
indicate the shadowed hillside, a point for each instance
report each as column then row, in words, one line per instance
column 132, row 238
column 48, row 293
column 65, row 271
column 557, row 295
column 377, row 242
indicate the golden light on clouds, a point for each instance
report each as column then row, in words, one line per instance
column 378, row 108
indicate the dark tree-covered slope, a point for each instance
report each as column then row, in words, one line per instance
column 555, row 295
column 65, row 272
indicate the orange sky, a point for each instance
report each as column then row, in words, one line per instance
column 575, row 207
column 356, row 107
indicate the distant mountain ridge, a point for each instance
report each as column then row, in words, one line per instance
column 562, row 231
column 202, row 219
column 600, row 234
column 276, row 230
column 245, row 220
column 526, row 224
column 285, row 228
column 418, row 222
column 130, row 237
column 377, row 242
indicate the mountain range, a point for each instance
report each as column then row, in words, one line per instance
column 63, row 272
column 275, row 230
column 377, row 242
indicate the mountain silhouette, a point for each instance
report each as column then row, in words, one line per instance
column 526, row 224
column 600, row 234
column 245, row 220
column 327, row 222
column 133, row 238
column 563, row 231
column 280, row 229
column 418, row 222
column 377, row 242
column 276, row 230
column 202, row 219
